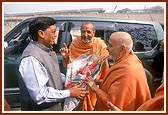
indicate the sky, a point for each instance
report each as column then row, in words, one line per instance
column 30, row 7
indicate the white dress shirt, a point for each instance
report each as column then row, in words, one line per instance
column 35, row 78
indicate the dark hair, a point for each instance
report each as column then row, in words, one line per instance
column 39, row 23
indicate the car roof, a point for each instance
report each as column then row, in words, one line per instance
column 95, row 18
column 156, row 25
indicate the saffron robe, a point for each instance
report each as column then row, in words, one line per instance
column 6, row 106
column 97, row 46
column 125, row 85
column 156, row 103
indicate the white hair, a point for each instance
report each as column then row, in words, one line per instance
column 130, row 47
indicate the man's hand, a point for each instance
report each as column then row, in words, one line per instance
column 78, row 92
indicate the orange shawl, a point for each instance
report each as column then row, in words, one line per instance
column 124, row 85
column 156, row 103
column 76, row 49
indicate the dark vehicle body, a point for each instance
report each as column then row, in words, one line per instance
column 146, row 37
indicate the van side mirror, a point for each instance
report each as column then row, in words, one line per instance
column 5, row 44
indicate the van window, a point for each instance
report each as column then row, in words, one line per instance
column 21, row 38
column 144, row 36
column 99, row 26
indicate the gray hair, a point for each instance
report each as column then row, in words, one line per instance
column 88, row 23
column 130, row 47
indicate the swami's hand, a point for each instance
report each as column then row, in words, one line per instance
column 98, row 81
column 91, row 83
column 78, row 92
column 64, row 52
column 112, row 107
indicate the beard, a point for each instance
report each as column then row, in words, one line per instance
column 86, row 41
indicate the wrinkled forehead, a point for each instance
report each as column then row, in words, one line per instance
column 87, row 26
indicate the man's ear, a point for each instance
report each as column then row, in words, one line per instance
column 41, row 33
column 94, row 31
column 124, row 48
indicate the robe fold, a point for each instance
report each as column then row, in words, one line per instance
column 6, row 106
column 125, row 85
column 156, row 103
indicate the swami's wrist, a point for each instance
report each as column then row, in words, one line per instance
column 95, row 88
column 66, row 60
